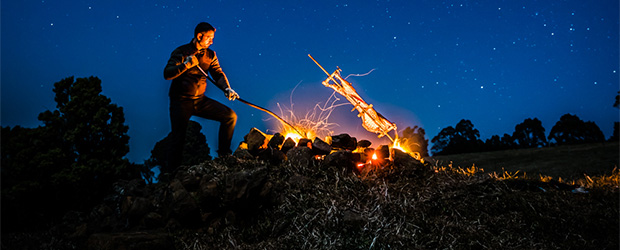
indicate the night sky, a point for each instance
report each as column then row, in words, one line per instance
column 495, row 63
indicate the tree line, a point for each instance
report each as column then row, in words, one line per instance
column 464, row 138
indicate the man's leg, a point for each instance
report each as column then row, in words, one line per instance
column 213, row 110
column 180, row 112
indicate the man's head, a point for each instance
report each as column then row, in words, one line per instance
column 203, row 35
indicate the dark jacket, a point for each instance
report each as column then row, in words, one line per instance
column 191, row 83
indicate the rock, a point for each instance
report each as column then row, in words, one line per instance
column 288, row 145
column 344, row 141
column 243, row 154
column 402, row 158
column 272, row 155
column 243, row 189
column 189, row 177
column 343, row 158
column 132, row 240
column 137, row 207
column 364, row 143
column 208, row 194
column 276, row 141
column 367, row 155
column 256, row 140
column 300, row 156
column 184, row 206
column 304, row 142
column 319, row 147
column 383, row 152
column 153, row 220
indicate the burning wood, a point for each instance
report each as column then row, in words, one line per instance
column 371, row 120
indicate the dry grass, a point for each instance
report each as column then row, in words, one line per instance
column 406, row 205
column 422, row 206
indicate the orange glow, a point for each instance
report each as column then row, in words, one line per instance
column 374, row 156
column 360, row 166
column 293, row 136
column 396, row 145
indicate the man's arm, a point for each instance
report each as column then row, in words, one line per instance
column 177, row 65
column 218, row 74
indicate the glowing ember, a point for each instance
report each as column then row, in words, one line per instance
column 374, row 156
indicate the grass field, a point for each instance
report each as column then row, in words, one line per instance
column 568, row 162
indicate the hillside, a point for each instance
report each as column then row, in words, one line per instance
column 235, row 203
column 570, row 161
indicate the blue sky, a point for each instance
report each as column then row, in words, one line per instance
column 495, row 63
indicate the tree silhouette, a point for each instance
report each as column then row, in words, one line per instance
column 463, row 138
column 415, row 140
column 530, row 134
column 196, row 149
column 496, row 143
column 572, row 130
column 442, row 140
column 71, row 161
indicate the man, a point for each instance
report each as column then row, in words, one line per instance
column 187, row 67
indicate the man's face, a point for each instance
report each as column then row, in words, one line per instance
column 205, row 39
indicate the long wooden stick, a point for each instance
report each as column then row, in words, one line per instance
column 256, row 106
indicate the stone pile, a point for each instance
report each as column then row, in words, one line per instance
column 342, row 150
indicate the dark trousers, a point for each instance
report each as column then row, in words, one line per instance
column 205, row 107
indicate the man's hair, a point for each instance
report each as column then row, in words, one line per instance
column 203, row 27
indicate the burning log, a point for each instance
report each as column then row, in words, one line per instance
column 372, row 120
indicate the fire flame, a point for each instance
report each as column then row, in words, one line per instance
column 396, row 145
column 293, row 135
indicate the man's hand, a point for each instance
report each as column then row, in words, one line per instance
column 231, row 94
column 190, row 61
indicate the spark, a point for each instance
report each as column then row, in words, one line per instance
column 315, row 122
column 365, row 74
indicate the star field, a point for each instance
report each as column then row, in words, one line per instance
column 433, row 63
